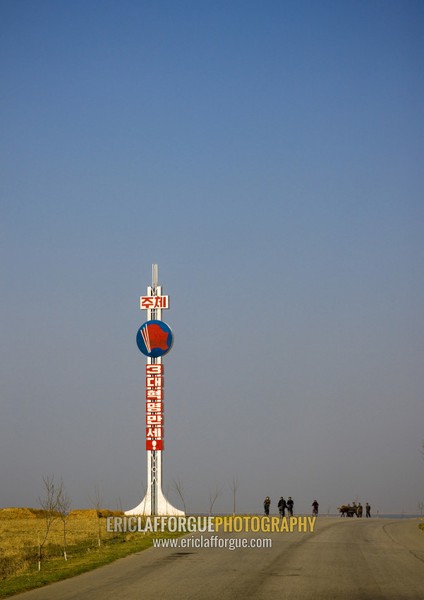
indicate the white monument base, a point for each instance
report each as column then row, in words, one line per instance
column 163, row 506
column 154, row 502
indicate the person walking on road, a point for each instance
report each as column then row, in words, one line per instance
column 290, row 505
column 315, row 506
column 267, row 503
column 282, row 507
column 367, row 511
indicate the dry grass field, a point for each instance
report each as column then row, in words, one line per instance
column 88, row 545
column 22, row 529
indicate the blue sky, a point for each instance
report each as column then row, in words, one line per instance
column 268, row 156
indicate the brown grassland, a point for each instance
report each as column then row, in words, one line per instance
column 89, row 545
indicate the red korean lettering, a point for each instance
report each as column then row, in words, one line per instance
column 154, row 432
column 154, row 369
column 154, row 382
column 146, row 302
column 154, row 419
column 154, row 407
column 154, row 394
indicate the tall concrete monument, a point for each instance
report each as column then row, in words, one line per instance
column 154, row 340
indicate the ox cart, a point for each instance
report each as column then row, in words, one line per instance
column 346, row 510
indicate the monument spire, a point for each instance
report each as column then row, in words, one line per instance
column 154, row 340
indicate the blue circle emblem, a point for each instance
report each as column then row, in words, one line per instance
column 154, row 339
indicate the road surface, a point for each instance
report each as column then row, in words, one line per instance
column 346, row 559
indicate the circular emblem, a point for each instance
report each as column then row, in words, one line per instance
column 154, row 338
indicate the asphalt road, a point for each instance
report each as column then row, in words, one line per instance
column 349, row 559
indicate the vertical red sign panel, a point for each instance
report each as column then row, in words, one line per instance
column 154, row 407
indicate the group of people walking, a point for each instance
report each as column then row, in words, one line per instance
column 288, row 505
column 283, row 505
